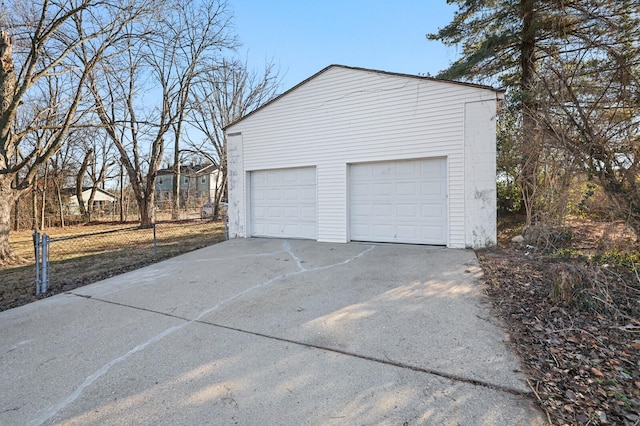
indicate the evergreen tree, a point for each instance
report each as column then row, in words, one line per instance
column 501, row 41
column 571, row 69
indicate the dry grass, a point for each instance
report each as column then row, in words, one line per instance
column 573, row 314
column 104, row 250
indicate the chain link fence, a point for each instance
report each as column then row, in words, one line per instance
column 64, row 260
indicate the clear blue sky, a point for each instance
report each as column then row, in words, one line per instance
column 304, row 36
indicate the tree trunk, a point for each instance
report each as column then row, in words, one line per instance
column 146, row 205
column 44, row 198
column 90, row 205
column 8, row 195
column 16, row 215
column 79, row 186
column 16, row 210
column 221, row 189
column 530, row 142
column 121, row 193
column 60, row 205
column 7, row 198
column 175, row 195
column 34, row 208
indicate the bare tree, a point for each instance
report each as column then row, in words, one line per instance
column 228, row 92
column 98, row 159
column 591, row 94
column 167, row 56
column 196, row 31
column 62, row 169
column 46, row 42
column 82, row 207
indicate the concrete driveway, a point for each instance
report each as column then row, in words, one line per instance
column 268, row 332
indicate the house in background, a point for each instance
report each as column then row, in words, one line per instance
column 102, row 201
column 198, row 184
column 354, row 154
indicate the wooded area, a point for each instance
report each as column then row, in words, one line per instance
column 97, row 91
column 570, row 126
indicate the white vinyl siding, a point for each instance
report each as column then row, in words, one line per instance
column 283, row 203
column 345, row 116
column 399, row 201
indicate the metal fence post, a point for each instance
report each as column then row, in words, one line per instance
column 45, row 263
column 36, row 249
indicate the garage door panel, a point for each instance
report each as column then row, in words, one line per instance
column 308, row 229
column 307, row 193
column 270, row 179
column 432, row 171
column 270, row 228
column 308, row 213
column 399, row 201
column 432, row 232
column 360, row 229
column 307, row 175
column 382, row 229
column 290, row 194
column 409, row 211
column 382, row 210
column 360, row 191
column 407, row 169
column 361, row 173
column 382, row 190
column 407, row 189
column 283, row 203
column 432, row 187
column 358, row 209
column 273, row 212
column 408, row 232
column 433, row 211
column 291, row 212
column 274, row 195
column 380, row 170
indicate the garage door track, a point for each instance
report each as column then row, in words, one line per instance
column 267, row 331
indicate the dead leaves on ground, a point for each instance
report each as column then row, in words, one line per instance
column 577, row 329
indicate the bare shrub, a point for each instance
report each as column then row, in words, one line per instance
column 571, row 283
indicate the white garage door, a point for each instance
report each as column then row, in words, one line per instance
column 399, row 201
column 283, row 203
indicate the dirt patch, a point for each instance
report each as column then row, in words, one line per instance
column 574, row 318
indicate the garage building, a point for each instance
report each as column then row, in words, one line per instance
column 353, row 154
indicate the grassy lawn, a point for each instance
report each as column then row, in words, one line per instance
column 104, row 250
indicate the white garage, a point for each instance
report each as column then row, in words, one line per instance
column 352, row 154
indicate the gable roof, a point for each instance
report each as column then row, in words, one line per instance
column 72, row 191
column 499, row 92
column 189, row 170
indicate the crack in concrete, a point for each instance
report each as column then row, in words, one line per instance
column 385, row 361
column 287, row 248
column 56, row 408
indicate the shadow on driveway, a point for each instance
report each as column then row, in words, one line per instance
column 264, row 331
